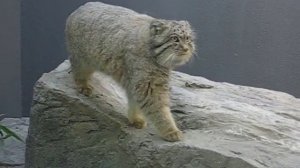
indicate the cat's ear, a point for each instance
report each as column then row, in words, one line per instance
column 184, row 23
column 157, row 27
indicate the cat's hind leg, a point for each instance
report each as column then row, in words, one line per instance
column 82, row 77
column 135, row 116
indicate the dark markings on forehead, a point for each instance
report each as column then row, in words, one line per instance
column 181, row 30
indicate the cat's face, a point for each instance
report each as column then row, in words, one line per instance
column 172, row 42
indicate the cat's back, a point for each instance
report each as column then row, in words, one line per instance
column 100, row 35
column 101, row 15
column 98, row 9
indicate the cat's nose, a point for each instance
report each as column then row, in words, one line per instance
column 185, row 48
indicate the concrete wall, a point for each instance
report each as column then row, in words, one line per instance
column 10, row 59
column 248, row 42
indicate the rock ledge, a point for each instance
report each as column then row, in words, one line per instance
column 225, row 126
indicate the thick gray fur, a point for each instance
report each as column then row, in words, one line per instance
column 136, row 50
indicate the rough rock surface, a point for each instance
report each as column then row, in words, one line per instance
column 12, row 151
column 225, row 126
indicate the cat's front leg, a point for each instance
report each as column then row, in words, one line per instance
column 153, row 100
column 165, row 124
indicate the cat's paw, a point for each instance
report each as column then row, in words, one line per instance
column 173, row 136
column 86, row 90
column 139, row 123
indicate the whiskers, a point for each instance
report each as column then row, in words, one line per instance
column 191, row 60
column 177, row 58
column 168, row 60
column 195, row 53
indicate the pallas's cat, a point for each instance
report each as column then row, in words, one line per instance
column 136, row 50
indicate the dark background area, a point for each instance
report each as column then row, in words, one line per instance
column 247, row 42
column 10, row 58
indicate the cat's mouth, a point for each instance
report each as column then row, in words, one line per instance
column 174, row 59
column 182, row 59
column 185, row 52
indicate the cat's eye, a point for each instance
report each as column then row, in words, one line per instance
column 187, row 38
column 175, row 39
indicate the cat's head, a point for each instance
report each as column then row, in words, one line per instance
column 172, row 42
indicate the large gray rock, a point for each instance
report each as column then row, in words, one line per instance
column 225, row 126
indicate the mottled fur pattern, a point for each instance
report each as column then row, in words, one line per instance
column 138, row 51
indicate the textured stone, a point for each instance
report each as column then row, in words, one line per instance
column 225, row 126
column 12, row 151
